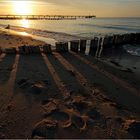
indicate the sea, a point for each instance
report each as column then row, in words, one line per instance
column 90, row 28
column 82, row 27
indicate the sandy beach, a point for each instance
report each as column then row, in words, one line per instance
column 64, row 95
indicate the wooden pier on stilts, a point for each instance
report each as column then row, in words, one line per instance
column 45, row 17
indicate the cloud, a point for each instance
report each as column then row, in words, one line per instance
column 99, row 7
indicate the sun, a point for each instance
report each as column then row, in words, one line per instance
column 22, row 7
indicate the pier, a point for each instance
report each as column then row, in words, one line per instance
column 45, row 17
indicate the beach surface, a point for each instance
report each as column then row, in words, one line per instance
column 64, row 95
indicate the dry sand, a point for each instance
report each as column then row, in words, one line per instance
column 63, row 96
column 8, row 40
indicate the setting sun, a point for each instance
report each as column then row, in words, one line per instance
column 22, row 7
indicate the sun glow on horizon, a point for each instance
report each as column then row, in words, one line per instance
column 22, row 7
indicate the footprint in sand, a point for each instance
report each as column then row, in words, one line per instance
column 80, row 104
column 32, row 86
column 45, row 129
column 60, row 116
column 133, row 128
column 94, row 114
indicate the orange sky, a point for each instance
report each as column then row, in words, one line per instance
column 101, row 8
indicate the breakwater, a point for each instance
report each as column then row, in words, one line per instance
column 97, row 45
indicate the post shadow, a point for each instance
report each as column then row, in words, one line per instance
column 66, row 76
column 33, row 69
column 6, row 66
column 104, row 83
column 117, row 56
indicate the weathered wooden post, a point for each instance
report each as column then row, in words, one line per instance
column 0, row 51
column 24, row 49
column 65, row 47
column 10, row 50
column 108, row 41
column 93, row 46
column 132, row 38
column 125, row 40
column 27, row 49
column 118, row 40
column 137, row 38
column 99, row 48
column 47, row 49
column 62, row 46
column 74, row 46
column 21, row 50
column 58, row 46
column 36, row 49
column 83, row 46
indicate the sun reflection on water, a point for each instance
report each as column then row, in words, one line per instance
column 25, row 23
column 23, row 33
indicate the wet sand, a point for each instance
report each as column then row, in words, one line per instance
column 65, row 95
column 58, row 36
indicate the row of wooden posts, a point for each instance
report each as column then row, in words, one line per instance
column 97, row 45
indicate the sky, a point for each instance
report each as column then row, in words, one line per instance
column 100, row 8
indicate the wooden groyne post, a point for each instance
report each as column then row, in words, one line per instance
column 47, row 49
column 93, row 46
column 74, row 46
column 61, row 46
column 97, row 45
column 83, row 46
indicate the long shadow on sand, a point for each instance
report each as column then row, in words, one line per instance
column 34, row 79
column 6, row 66
column 66, row 76
column 131, row 78
column 110, row 88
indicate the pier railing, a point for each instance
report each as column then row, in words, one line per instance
column 44, row 17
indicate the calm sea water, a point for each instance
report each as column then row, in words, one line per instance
column 82, row 27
